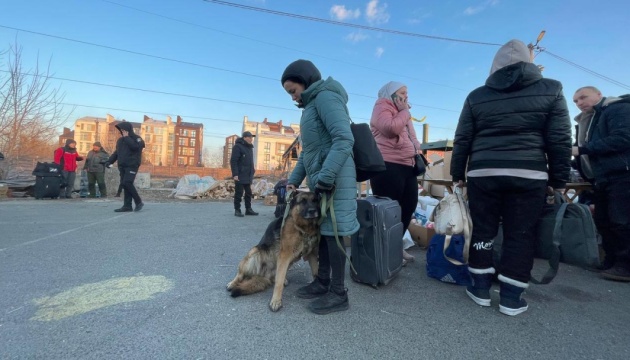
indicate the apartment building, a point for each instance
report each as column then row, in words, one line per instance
column 271, row 142
column 188, row 143
column 166, row 142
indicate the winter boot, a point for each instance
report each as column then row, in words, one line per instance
column 330, row 302
column 336, row 299
column 238, row 213
column 511, row 290
column 479, row 291
column 619, row 272
column 316, row 288
column 250, row 212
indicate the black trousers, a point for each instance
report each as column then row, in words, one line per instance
column 518, row 203
column 238, row 194
column 127, row 176
column 612, row 217
column 398, row 183
column 332, row 260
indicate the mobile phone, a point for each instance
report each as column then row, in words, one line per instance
column 394, row 97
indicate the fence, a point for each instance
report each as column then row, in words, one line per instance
column 217, row 173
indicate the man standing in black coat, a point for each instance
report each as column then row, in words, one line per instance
column 129, row 156
column 242, row 164
column 603, row 156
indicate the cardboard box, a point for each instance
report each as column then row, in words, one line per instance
column 420, row 235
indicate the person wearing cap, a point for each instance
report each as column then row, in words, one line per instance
column 513, row 140
column 67, row 158
column 95, row 168
column 326, row 159
column 396, row 139
column 242, row 164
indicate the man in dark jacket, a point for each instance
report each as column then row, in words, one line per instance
column 129, row 156
column 513, row 140
column 242, row 164
column 96, row 170
column 603, row 155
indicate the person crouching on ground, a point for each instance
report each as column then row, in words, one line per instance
column 129, row 156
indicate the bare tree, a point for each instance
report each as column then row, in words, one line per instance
column 31, row 110
column 212, row 158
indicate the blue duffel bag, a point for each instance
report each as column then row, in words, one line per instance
column 438, row 267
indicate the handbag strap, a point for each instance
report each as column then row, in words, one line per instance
column 554, row 260
column 466, row 220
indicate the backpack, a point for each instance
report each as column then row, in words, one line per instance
column 451, row 217
column 368, row 159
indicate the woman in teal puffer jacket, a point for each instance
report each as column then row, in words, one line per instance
column 326, row 159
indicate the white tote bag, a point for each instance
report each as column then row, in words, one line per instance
column 452, row 216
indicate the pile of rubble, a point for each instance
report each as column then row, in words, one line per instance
column 194, row 187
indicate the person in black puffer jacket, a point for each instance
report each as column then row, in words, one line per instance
column 129, row 156
column 242, row 164
column 513, row 140
column 603, row 156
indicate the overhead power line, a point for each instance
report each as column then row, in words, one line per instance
column 179, row 61
column 155, row 91
column 138, row 53
column 281, row 46
column 339, row 23
column 603, row 77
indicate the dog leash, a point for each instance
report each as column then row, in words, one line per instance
column 287, row 200
column 327, row 204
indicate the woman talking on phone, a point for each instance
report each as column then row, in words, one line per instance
column 394, row 134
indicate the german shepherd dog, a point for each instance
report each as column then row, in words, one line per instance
column 279, row 248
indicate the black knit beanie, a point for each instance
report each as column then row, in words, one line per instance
column 301, row 71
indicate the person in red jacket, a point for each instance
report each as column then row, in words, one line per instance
column 67, row 157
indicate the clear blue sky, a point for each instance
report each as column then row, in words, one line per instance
column 439, row 74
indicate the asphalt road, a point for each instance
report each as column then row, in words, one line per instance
column 78, row 281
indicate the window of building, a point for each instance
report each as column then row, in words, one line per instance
column 267, row 147
column 85, row 136
column 192, row 142
column 181, row 151
column 182, row 142
column 90, row 127
column 267, row 158
column 147, row 137
column 191, row 161
column 185, row 132
column 158, row 138
column 282, row 148
column 181, row 161
column 193, row 133
column 171, row 147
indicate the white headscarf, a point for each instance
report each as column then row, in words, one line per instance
column 512, row 52
column 389, row 89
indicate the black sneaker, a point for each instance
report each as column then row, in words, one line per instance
column 330, row 302
column 238, row 213
column 124, row 209
column 617, row 273
column 314, row 289
column 139, row 207
column 250, row 212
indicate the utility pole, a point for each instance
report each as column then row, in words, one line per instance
column 535, row 48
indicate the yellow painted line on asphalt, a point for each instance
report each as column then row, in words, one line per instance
column 89, row 297
column 64, row 232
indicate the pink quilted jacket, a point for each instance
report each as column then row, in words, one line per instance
column 391, row 129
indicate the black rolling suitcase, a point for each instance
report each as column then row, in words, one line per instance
column 378, row 246
column 48, row 180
